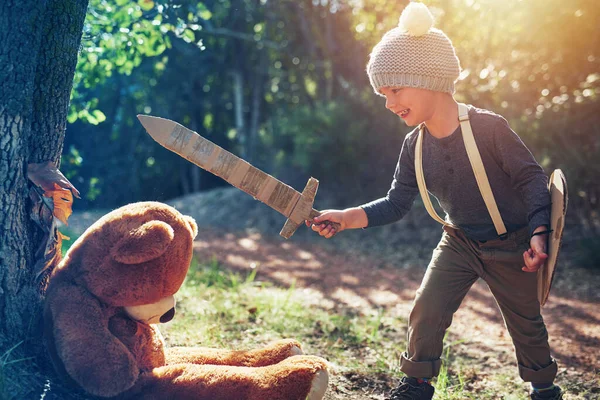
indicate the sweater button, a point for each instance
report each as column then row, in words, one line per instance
column 447, row 158
column 451, row 171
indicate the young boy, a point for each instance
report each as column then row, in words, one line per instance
column 415, row 67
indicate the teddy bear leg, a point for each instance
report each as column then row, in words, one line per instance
column 268, row 355
column 295, row 378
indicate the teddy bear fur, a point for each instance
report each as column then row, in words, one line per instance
column 135, row 258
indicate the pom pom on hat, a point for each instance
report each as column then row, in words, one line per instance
column 416, row 19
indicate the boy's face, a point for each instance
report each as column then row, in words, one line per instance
column 413, row 105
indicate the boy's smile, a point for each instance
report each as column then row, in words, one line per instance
column 408, row 103
column 403, row 113
column 437, row 110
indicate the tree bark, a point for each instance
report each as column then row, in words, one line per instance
column 39, row 41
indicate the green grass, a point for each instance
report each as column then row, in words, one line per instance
column 20, row 377
column 457, row 380
column 217, row 308
column 6, row 360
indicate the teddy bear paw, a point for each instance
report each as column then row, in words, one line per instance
column 295, row 351
column 319, row 385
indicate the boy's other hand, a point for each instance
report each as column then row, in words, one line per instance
column 319, row 224
column 536, row 255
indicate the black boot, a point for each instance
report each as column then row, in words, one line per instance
column 553, row 394
column 411, row 389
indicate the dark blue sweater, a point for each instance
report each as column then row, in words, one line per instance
column 518, row 182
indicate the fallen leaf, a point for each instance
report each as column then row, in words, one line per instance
column 41, row 210
column 46, row 175
column 52, row 199
column 63, row 202
column 48, row 256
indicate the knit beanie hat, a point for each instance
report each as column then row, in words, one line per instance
column 414, row 54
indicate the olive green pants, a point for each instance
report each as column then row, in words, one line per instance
column 456, row 264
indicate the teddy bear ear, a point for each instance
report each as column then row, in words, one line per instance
column 143, row 243
column 192, row 223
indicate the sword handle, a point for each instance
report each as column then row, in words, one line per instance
column 302, row 208
column 316, row 213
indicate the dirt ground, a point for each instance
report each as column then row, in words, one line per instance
column 365, row 282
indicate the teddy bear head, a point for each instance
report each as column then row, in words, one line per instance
column 135, row 257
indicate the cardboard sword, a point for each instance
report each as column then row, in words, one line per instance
column 296, row 206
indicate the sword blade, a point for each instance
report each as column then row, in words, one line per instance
column 218, row 161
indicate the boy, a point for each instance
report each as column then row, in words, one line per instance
column 415, row 67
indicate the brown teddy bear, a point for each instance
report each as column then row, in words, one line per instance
column 115, row 283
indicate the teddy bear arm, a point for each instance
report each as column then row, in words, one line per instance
column 100, row 363
column 268, row 355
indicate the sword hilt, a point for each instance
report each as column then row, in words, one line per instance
column 315, row 213
column 304, row 211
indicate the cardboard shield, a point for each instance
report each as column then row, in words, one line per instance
column 558, row 194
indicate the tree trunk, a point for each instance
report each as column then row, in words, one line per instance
column 257, row 98
column 238, row 104
column 39, row 41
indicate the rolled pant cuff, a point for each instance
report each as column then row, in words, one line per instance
column 420, row 369
column 544, row 375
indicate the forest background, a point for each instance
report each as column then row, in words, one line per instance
column 283, row 85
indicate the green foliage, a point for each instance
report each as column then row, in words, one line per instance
column 93, row 192
column 283, row 85
column 118, row 35
column 67, row 243
column 322, row 139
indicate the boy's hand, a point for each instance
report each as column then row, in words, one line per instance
column 319, row 224
column 536, row 256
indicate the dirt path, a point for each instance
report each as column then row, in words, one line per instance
column 365, row 283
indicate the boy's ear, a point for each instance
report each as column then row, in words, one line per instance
column 143, row 243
